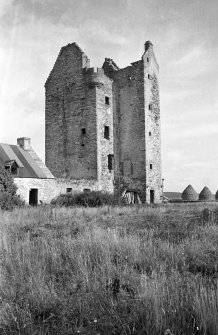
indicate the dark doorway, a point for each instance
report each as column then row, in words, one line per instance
column 33, row 197
column 151, row 196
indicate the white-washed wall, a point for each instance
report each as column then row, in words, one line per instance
column 50, row 188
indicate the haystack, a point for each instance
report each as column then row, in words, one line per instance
column 206, row 194
column 189, row 194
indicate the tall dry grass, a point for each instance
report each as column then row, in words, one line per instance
column 130, row 270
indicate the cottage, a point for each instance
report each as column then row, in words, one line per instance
column 35, row 182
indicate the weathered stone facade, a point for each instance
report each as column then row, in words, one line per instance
column 48, row 189
column 104, row 126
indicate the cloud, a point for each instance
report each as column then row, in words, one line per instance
column 5, row 7
column 197, row 131
column 99, row 33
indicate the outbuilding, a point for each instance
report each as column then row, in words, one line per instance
column 34, row 181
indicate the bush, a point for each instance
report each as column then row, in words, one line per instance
column 8, row 197
column 85, row 199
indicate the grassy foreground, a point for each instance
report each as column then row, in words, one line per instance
column 130, row 270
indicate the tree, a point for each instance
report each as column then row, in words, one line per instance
column 8, row 197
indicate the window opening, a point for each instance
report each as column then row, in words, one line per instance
column 149, row 76
column 107, row 101
column 110, row 162
column 149, row 133
column 69, row 189
column 86, row 190
column 148, row 59
column 83, row 131
column 14, row 170
column 150, row 107
column 151, row 166
column 106, row 132
column 12, row 167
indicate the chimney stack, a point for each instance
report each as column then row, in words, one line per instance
column 24, row 142
column 148, row 45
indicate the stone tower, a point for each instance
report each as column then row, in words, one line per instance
column 104, row 125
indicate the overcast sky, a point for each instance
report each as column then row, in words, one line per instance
column 185, row 38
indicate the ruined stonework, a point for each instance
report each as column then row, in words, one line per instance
column 103, row 126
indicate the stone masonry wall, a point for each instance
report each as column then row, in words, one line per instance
column 71, row 139
column 50, row 188
column 77, row 113
column 129, row 117
column 152, row 125
column 105, row 145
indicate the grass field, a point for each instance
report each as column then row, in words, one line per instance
column 129, row 270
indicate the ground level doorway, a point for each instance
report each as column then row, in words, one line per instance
column 152, row 196
column 33, row 197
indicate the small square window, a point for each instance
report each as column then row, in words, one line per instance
column 83, row 131
column 69, row 189
column 106, row 132
column 150, row 107
column 149, row 76
column 149, row 133
column 107, row 101
column 151, row 166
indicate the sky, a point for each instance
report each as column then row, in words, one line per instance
column 185, row 38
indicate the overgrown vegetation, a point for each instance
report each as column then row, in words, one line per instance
column 8, row 197
column 110, row 270
column 86, row 199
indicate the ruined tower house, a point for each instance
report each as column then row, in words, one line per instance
column 102, row 128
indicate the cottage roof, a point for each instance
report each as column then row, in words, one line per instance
column 30, row 165
column 205, row 194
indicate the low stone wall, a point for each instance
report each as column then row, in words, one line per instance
column 50, row 188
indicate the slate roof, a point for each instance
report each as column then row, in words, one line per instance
column 30, row 165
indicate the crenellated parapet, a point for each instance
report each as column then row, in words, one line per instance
column 94, row 78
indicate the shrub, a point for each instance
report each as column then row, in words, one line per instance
column 8, row 197
column 85, row 199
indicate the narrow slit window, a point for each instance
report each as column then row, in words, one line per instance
column 110, row 162
column 150, row 107
column 149, row 76
column 106, row 132
column 83, row 131
column 149, row 133
column 148, row 59
column 107, row 101
column 151, row 166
